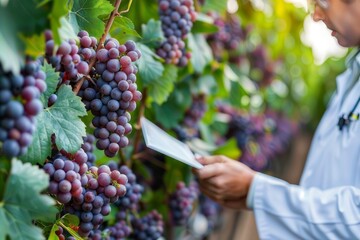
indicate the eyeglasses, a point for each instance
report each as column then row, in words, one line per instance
column 323, row 4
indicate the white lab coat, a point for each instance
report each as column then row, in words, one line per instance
column 326, row 204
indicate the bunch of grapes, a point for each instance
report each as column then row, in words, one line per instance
column 119, row 231
column 133, row 191
column 102, row 187
column 181, row 202
column 210, row 209
column 66, row 175
column 262, row 66
column 88, row 147
column 177, row 17
column 19, row 105
column 69, row 59
column 149, row 227
column 114, row 96
column 239, row 126
column 197, row 110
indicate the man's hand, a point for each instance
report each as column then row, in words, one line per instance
column 224, row 180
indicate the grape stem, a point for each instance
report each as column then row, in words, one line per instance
column 108, row 25
column 128, row 8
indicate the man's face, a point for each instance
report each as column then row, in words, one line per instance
column 342, row 17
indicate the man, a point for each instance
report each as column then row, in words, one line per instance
column 326, row 204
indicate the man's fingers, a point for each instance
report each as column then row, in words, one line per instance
column 206, row 160
column 209, row 171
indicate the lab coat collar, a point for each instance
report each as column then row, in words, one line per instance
column 353, row 64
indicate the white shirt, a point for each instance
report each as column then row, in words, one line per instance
column 326, row 204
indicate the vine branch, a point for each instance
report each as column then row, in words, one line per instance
column 108, row 25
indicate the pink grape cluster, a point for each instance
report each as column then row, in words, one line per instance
column 181, row 202
column 177, row 17
column 69, row 59
column 114, row 96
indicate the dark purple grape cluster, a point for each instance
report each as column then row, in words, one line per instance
column 114, row 96
column 133, row 191
column 228, row 37
column 66, row 175
column 181, row 202
column 211, row 210
column 88, row 147
column 69, row 59
column 119, row 231
column 60, row 234
column 149, row 227
column 19, row 105
column 196, row 111
column 177, row 17
column 100, row 188
column 261, row 63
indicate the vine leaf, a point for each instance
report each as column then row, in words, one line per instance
column 160, row 88
column 52, row 80
column 85, row 14
column 62, row 119
column 23, row 202
column 152, row 33
column 149, row 69
column 123, row 28
column 34, row 45
column 201, row 53
column 58, row 11
column 14, row 19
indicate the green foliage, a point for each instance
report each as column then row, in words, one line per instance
column 66, row 222
column 22, row 202
column 200, row 52
column 161, row 88
column 85, row 14
column 123, row 29
column 152, row 33
column 61, row 119
column 228, row 149
column 52, row 80
column 149, row 69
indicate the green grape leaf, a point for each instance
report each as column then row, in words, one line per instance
column 204, row 24
column 200, row 52
column 149, row 69
column 215, row 5
column 18, row 208
column 160, row 88
column 14, row 19
column 66, row 31
column 122, row 29
column 34, row 45
column 62, row 119
column 58, row 11
column 152, row 33
column 229, row 149
column 66, row 222
column 52, row 80
column 85, row 14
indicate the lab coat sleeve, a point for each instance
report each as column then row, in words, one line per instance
column 285, row 211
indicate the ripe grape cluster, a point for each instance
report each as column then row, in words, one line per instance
column 177, row 17
column 181, row 202
column 114, row 96
column 211, row 210
column 196, row 111
column 149, row 227
column 69, row 59
column 228, row 37
column 101, row 188
column 66, row 175
column 88, row 147
column 19, row 104
column 119, row 231
column 133, row 191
